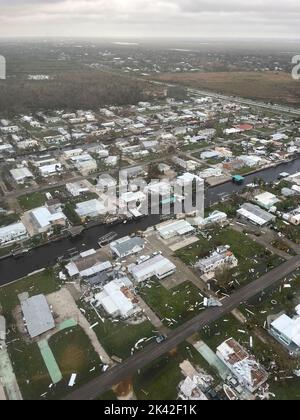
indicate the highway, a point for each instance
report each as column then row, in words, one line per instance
column 128, row 368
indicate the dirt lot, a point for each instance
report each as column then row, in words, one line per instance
column 269, row 86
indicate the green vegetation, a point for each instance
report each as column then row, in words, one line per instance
column 44, row 282
column 254, row 260
column 179, row 304
column 290, row 231
column 29, row 367
column 9, row 219
column 32, row 201
column 71, row 214
column 74, row 353
column 159, row 380
column 118, row 338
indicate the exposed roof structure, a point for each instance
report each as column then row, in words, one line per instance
column 242, row 365
column 114, row 300
column 38, row 316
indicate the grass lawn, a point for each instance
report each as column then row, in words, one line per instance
column 29, row 367
column 274, row 301
column 290, row 231
column 74, row 353
column 44, row 282
column 118, row 338
column 269, row 350
column 180, row 304
column 9, row 219
column 32, row 201
column 254, row 259
column 159, row 380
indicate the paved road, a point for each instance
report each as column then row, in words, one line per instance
column 96, row 387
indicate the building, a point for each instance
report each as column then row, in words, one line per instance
column 255, row 215
column 210, row 155
column 157, row 266
column 21, row 175
column 244, row 367
column 189, row 390
column 76, row 189
column 127, row 246
column 117, row 299
column 38, row 316
column 286, row 330
column 45, row 218
column 88, row 265
column 171, row 229
column 90, row 209
column 221, row 258
column 49, row 170
column 216, row 217
column 266, row 200
column 12, row 233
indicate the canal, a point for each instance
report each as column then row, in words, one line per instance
column 12, row 269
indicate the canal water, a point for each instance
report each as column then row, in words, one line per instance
column 12, row 269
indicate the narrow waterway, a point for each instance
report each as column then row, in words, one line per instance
column 11, row 268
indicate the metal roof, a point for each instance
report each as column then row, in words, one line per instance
column 38, row 316
column 127, row 245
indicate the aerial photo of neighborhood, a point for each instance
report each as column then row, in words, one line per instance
column 149, row 206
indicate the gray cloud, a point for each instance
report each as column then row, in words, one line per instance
column 146, row 17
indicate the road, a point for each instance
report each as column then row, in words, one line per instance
column 243, row 101
column 105, row 381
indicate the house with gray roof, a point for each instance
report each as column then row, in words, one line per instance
column 127, row 246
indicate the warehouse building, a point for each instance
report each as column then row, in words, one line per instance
column 37, row 314
column 175, row 228
column 157, row 266
column 255, row 215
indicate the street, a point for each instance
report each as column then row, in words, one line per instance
column 105, row 381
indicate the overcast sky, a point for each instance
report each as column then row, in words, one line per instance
column 137, row 18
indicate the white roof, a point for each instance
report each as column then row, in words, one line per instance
column 288, row 327
column 113, row 299
column 91, row 207
column 157, row 265
column 188, row 178
column 12, row 229
column 179, row 227
column 44, row 217
column 133, row 196
column 21, row 173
